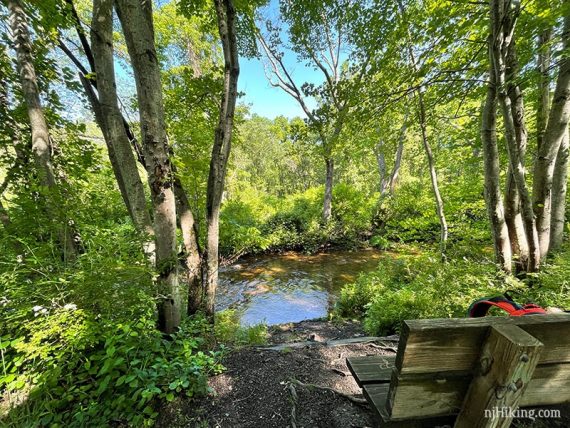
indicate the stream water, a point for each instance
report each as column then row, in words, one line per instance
column 290, row 287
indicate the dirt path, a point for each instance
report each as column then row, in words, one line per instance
column 253, row 392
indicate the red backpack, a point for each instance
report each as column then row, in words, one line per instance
column 481, row 307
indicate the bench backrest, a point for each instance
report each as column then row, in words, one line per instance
column 437, row 358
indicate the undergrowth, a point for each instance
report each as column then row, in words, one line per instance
column 421, row 286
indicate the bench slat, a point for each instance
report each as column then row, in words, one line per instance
column 440, row 345
column 376, row 394
column 371, row 369
column 420, row 396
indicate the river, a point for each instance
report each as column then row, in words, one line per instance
column 290, row 287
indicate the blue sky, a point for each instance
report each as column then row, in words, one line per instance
column 258, row 94
column 266, row 100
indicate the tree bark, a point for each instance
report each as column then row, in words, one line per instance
column 493, row 196
column 226, row 16
column 502, row 28
column 111, row 121
column 136, row 20
column 554, row 133
column 329, row 179
column 96, row 107
column 543, row 105
column 381, row 162
column 433, row 177
column 559, row 185
column 192, row 250
column 513, row 214
column 397, row 161
column 515, row 224
column 41, row 144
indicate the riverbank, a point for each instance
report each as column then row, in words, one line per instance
column 254, row 390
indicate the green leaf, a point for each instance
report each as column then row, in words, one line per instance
column 103, row 385
column 120, row 381
column 110, row 351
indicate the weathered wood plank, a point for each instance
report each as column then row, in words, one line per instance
column 550, row 384
column 421, row 396
column 371, row 369
column 376, row 395
column 439, row 394
column 506, row 365
column 439, row 345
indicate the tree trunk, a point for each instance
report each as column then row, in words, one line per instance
column 388, row 182
column 226, row 15
column 41, row 144
column 327, row 202
column 136, row 21
column 556, row 129
column 381, row 162
column 398, row 160
column 493, row 196
column 185, row 216
column 543, row 106
column 191, row 249
column 515, row 224
column 111, row 121
column 559, row 184
column 513, row 214
column 96, row 107
column 433, row 177
column 502, row 23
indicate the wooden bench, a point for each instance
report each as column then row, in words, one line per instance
column 462, row 369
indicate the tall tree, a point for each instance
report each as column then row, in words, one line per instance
column 41, row 142
column 320, row 34
column 110, row 118
column 493, row 194
column 419, row 95
column 536, row 209
column 559, row 187
column 554, row 134
column 226, row 14
column 136, row 20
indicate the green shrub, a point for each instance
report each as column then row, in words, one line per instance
column 228, row 330
column 252, row 223
column 80, row 370
column 79, row 344
column 380, row 242
column 421, row 286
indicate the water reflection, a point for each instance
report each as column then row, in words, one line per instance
column 290, row 287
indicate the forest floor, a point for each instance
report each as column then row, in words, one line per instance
column 254, row 391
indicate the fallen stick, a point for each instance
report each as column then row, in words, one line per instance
column 293, row 396
column 349, row 397
column 340, row 372
column 383, row 347
column 329, row 343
